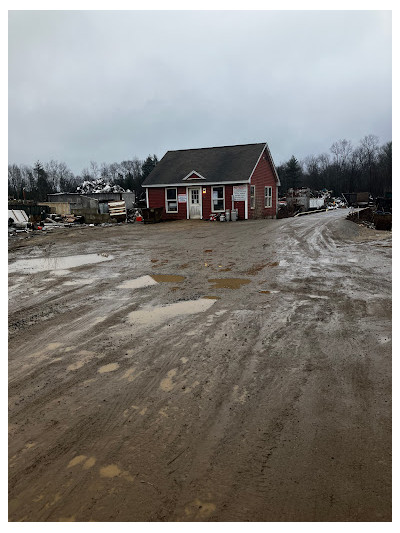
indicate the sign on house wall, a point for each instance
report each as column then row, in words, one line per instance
column 182, row 198
column 240, row 193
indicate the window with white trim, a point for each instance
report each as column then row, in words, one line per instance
column 267, row 196
column 218, row 199
column 252, row 196
column 171, row 200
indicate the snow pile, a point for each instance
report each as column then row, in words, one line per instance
column 99, row 186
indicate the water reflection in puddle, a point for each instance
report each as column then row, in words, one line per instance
column 159, row 314
column 143, row 281
column 167, row 278
column 40, row 264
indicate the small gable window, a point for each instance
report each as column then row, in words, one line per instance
column 171, row 200
column 218, row 199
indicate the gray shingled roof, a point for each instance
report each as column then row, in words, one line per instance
column 217, row 165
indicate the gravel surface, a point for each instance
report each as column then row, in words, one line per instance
column 248, row 380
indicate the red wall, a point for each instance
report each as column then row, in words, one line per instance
column 263, row 176
column 156, row 197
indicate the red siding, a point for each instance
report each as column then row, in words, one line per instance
column 157, row 199
column 263, row 176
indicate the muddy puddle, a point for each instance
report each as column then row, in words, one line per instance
column 138, row 283
column 228, row 283
column 268, row 292
column 40, row 264
column 167, row 278
column 159, row 314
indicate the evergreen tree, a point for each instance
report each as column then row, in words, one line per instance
column 148, row 166
column 293, row 173
column 43, row 186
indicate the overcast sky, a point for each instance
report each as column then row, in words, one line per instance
column 111, row 85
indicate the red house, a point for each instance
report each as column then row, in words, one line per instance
column 196, row 183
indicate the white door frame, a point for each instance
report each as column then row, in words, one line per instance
column 188, row 198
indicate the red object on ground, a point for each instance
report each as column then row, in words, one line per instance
column 139, row 219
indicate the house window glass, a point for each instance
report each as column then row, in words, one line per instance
column 268, row 197
column 171, row 202
column 252, row 196
column 218, row 199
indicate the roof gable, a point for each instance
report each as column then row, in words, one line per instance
column 193, row 176
column 222, row 164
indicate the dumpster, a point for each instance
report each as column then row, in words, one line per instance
column 151, row 215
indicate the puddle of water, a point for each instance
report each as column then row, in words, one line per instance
column 108, row 368
column 59, row 273
column 167, row 278
column 269, row 292
column 138, row 283
column 76, row 460
column 157, row 315
column 110, row 471
column 57, row 264
column 229, row 283
column 167, row 383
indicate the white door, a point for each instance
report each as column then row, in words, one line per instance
column 195, row 203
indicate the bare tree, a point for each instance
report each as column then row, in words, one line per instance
column 94, row 170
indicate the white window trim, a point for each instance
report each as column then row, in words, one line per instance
column 212, row 199
column 166, row 200
column 253, row 196
column 269, row 197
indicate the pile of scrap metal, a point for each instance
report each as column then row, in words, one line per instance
column 18, row 221
column 63, row 220
column 372, row 219
column 304, row 199
column 357, row 199
column 99, row 186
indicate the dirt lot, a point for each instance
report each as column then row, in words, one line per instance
column 264, row 395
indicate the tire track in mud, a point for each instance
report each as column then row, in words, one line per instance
column 223, row 417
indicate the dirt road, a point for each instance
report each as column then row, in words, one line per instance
column 262, row 397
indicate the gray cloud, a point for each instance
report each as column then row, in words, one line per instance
column 106, row 86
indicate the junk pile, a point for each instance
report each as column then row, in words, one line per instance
column 302, row 200
column 63, row 220
column 357, row 199
column 371, row 219
column 99, row 186
column 18, row 221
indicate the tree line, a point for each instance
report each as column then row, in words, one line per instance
column 35, row 182
column 347, row 168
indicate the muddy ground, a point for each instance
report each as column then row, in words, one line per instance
column 264, row 395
